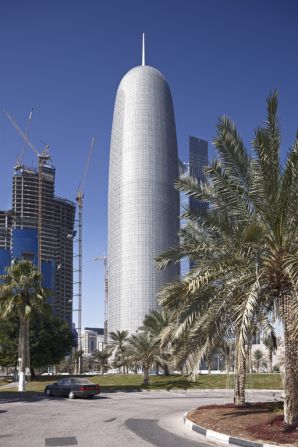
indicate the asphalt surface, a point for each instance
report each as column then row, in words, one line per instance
column 135, row 419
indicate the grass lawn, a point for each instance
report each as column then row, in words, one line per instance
column 133, row 382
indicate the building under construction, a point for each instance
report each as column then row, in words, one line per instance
column 19, row 229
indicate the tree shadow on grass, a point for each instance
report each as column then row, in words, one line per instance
column 256, row 408
column 183, row 384
column 121, row 388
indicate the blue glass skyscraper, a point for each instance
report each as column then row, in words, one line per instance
column 19, row 234
column 198, row 159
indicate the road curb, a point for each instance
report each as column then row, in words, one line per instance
column 221, row 437
column 207, row 390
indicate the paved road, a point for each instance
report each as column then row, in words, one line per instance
column 138, row 419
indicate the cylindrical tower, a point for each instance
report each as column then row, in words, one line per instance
column 143, row 204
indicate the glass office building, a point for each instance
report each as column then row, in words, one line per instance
column 198, row 159
column 19, row 234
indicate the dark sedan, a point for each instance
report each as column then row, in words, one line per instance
column 72, row 387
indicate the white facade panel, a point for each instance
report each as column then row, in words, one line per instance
column 143, row 204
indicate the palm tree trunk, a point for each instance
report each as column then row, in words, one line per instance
column 227, row 364
column 249, row 359
column 240, row 375
column 209, row 365
column 270, row 355
column 291, row 364
column 166, row 371
column 146, row 374
column 22, row 351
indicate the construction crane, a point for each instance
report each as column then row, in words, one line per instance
column 106, row 282
column 42, row 158
column 19, row 163
column 79, row 200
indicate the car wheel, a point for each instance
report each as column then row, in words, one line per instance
column 48, row 392
column 71, row 395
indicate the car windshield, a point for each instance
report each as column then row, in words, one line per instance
column 63, row 382
column 81, row 381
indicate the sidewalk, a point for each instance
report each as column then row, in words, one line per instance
column 9, row 385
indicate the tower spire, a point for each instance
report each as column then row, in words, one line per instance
column 143, row 49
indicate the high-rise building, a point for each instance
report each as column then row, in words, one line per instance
column 5, row 239
column 19, row 234
column 92, row 340
column 65, row 216
column 143, row 204
column 198, row 159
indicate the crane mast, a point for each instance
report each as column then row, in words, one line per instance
column 80, row 200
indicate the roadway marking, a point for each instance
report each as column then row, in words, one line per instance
column 59, row 442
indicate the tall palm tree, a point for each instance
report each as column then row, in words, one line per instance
column 245, row 246
column 21, row 293
column 143, row 350
column 117, row 345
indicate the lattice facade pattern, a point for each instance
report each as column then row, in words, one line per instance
column 143, row 204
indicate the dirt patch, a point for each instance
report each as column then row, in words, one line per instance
column 261, row 421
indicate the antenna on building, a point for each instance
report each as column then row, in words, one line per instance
column 143, row 49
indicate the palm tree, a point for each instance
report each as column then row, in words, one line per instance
column 155, row 322
column 76, row 360
column 143, row 350
column 259, row 360
column 101, row 359
column 117, row 345
column 244, row 246
column 270, row 341
column 21, row 293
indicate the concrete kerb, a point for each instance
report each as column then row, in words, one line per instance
column 9, row 385
column 221, row 437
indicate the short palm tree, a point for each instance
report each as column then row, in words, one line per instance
column 101, row 359
column 21, row 293
column 270, row 342
column 117, row 345
column 143, row 350
column 259, row 360
column 155, row 322
column 245, row 246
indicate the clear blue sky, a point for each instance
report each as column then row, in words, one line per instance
column 65, row 58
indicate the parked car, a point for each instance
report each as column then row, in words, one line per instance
column 72, row 387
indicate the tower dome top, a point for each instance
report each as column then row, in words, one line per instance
column 142, row 71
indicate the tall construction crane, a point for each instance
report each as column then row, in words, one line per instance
column 19, row 163
column 79, row 200
column 42, row 158
column 106, row 282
